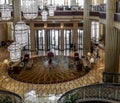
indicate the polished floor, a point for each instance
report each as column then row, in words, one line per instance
column 39, row 92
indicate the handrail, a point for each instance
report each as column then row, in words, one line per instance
column 114, row 77
column 104, row 91
column 13, row 97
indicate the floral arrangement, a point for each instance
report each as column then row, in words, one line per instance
column 50, row 54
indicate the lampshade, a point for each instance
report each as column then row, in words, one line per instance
column 15, row 51
column 44, row 15
column 92, row 60
column 29, row 9
column 5, row 10
column 6, row 61
column 51, row 9
column 88, row 54
column 21, row 33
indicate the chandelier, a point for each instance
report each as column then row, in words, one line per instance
column 44, row 14
column 5, row 10
column 15, row 51
column 21, row 33
column 29, row 9
column 51, row 9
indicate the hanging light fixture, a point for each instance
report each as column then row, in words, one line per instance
column 92, row 60
column 5, row 10
column 44, row 15
column 51, row 9
column 21, row 33
column 15, row 51
column 30, row 9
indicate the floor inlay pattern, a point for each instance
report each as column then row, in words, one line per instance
column 62, row 69
column 21, row 88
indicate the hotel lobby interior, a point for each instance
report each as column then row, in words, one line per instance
column 59, row 51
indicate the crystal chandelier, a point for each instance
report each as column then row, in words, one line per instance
column 15, row 51
column 21, row 33
column 29, row 9
column 5, row 10
column 51, row 9
column 44, row 15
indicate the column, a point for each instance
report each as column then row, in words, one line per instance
column 46, row 37
column 111, row 46
column 62, row 36
column 119, row 47
column 32, row 37
column 16, row 10
column 87, row 28
column 75, row 35
column 3, row 32
column 102, row 31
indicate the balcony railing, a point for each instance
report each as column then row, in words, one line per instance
column 9, row 97
column 104, row 91
column 111, row 77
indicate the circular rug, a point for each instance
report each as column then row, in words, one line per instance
column 42, row 70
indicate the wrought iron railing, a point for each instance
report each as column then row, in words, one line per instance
column 9, row 97
column 111, row 77
column 104, row 91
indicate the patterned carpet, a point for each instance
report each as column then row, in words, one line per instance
column 43, row 90
column 62, row 69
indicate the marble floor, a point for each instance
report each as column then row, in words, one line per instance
column 46, row 93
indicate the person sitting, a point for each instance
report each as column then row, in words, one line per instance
column 26, row 58
column 87, row 69
column 76, row 56
column 79, row 66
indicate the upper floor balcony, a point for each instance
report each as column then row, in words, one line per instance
column 75, row 13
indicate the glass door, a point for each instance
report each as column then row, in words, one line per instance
column 54, row 39
column 80, row 39
column 40, row 39
column 68, row 39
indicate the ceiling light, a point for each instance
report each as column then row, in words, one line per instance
column 29, row 9
column 5, row 10
column 15, row 51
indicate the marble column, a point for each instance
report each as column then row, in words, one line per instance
column 32, row 37
column 16, row 10
column 46, row 36
column 119, row 47
column 62, row 37
column 3, row 32
column 102, row 31
column 86, row 27
column 111, row 45
column 75, row 35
